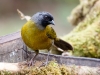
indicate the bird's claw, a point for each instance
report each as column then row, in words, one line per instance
column 31, row 63
column 44, row 64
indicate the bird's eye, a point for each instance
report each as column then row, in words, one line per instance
column 46, row 17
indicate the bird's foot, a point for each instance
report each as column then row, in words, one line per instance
column 31, row 63
column 44, row 64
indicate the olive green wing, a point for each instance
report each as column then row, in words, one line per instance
column 51, row 33
column 57, row 41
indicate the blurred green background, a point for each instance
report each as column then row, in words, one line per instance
column 10, row 21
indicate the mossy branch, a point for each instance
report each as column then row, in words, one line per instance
column 52, row 68
column 85, row 37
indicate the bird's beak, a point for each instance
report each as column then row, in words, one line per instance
column 52, row 22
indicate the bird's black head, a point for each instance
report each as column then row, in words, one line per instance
column 42, row 19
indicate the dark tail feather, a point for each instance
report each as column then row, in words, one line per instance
column 63, row 45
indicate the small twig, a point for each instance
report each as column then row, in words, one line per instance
column 22, row 16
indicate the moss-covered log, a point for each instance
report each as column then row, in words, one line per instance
column 52, row 68
column 85, row 37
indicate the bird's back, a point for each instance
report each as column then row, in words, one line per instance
column 35, row 38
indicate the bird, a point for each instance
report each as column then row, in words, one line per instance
column 37, row 34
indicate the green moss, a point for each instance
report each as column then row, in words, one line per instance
column 85, row 37
column 53, row 68
column 5, row 73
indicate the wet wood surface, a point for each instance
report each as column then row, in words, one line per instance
column 12, row 49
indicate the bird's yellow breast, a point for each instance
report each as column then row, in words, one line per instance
column 35, row 38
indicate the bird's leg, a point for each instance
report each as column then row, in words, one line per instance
column 32, row 60
column 47, row 59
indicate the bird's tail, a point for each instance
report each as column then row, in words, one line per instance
column 63, row 45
